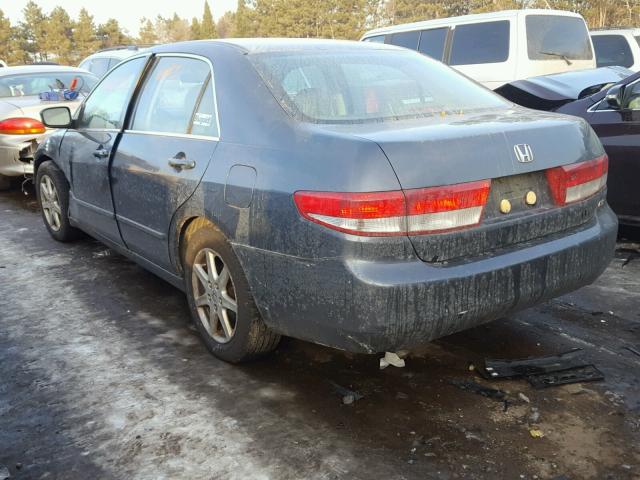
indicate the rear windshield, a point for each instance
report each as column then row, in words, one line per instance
column 552, row 37
column 383, row 85
column 36, row 83
column 612, row 50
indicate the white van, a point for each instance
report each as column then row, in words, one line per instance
column 499, row 47
column 620, row 47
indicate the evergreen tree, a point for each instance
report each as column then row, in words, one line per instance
column 110, row 34
column 33, row 31
column 84, row 35
column 208, row 26
column 195, row 29
column 59, row 33
column 226, row 25
column 147, row 33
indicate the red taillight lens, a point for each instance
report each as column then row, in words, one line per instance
column 572, row 183
column 21, row 126
column 424, row 210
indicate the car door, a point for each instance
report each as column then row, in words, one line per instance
column 164, row 152
column 619, row 132
column 88, row 147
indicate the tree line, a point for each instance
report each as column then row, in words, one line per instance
column 54, row 36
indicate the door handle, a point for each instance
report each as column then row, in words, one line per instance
column 180, row 162
column 101, row 153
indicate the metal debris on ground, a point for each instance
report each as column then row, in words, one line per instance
column 543, row 372
column 348, row 396
column 102, row 253
column 474, row 387
column 587, row 373
column 391, row 358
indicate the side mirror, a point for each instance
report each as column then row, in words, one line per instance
column 614, row 97
column 56, row 117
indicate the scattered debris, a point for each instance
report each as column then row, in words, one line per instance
column 4, row 473
column 587, row 373
column 536, row 433
column 543, row 372
column 348, row 396
column 474, row 387
column 523, row 397
column 535, row 415
column 402, row 396
column 102, row 253
column 391, row 358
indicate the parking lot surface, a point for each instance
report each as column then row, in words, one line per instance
column 103, row 376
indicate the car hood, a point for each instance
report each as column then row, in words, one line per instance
column 568, row 86
column 31, row 106
column 462, row 148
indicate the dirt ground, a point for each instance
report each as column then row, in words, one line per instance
column 102, row 376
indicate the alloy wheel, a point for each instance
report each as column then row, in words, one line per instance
column 214, row 295
column 50, row 203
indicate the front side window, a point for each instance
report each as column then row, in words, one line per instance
column 107, row 104
column 612, row 50
column 552, row 37
column 432, row 42
column 405, row 39
column 376, row 85
column 170, row 95
column 477, row 43
column 99, row 66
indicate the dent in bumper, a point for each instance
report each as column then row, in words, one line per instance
column 16, row 154
column 369, row 306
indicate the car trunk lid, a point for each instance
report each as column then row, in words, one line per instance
column 471, row 147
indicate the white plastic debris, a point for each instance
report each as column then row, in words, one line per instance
column 391, row 358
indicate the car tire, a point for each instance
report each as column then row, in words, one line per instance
column 52, row 192
column 233, row 336
column 5, row 182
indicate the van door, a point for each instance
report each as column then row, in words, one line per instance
column 484, row 52
column 163, row 154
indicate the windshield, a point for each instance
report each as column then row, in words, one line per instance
column 375, row 85
column 553, row 37
column 36, row 83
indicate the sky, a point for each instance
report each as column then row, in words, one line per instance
column 127, row 12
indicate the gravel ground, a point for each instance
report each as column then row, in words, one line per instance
column 103, row 376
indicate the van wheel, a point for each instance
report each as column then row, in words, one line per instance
column 52, row 192
column 220, row 300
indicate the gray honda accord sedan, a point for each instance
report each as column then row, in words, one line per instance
column 356, row 195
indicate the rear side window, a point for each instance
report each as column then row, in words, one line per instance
column 405, row 39
column 99, row 66
column 170, row 95
column 432, row 42
column 477, row 43
column 612, row 50
column 550, row 37
column 376, row 39
column 106, row 106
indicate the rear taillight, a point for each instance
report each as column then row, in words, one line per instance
column 418, row 211
column 21, row 126
column 572, row 183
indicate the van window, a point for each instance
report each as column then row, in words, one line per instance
column 376, row 39
column 432, row 42
column 551, row 37
column 99, row 66
column 612, row 50
column 406, row 39
column 475, row 43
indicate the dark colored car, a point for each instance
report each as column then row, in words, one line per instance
column 609, row 99
column 356, row 195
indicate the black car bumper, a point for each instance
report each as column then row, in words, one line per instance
column 369, row 306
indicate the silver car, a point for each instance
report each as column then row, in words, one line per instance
column 20, row 128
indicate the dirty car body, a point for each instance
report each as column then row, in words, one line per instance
column 19, row 102
column 362, row 200
column 584, row 94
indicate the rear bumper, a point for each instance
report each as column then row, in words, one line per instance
column 16, row 154
column 368, row 306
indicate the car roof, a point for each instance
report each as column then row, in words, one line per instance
column 615, row 31
column 259, row 45
column 40, row 69
column 463, row 19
